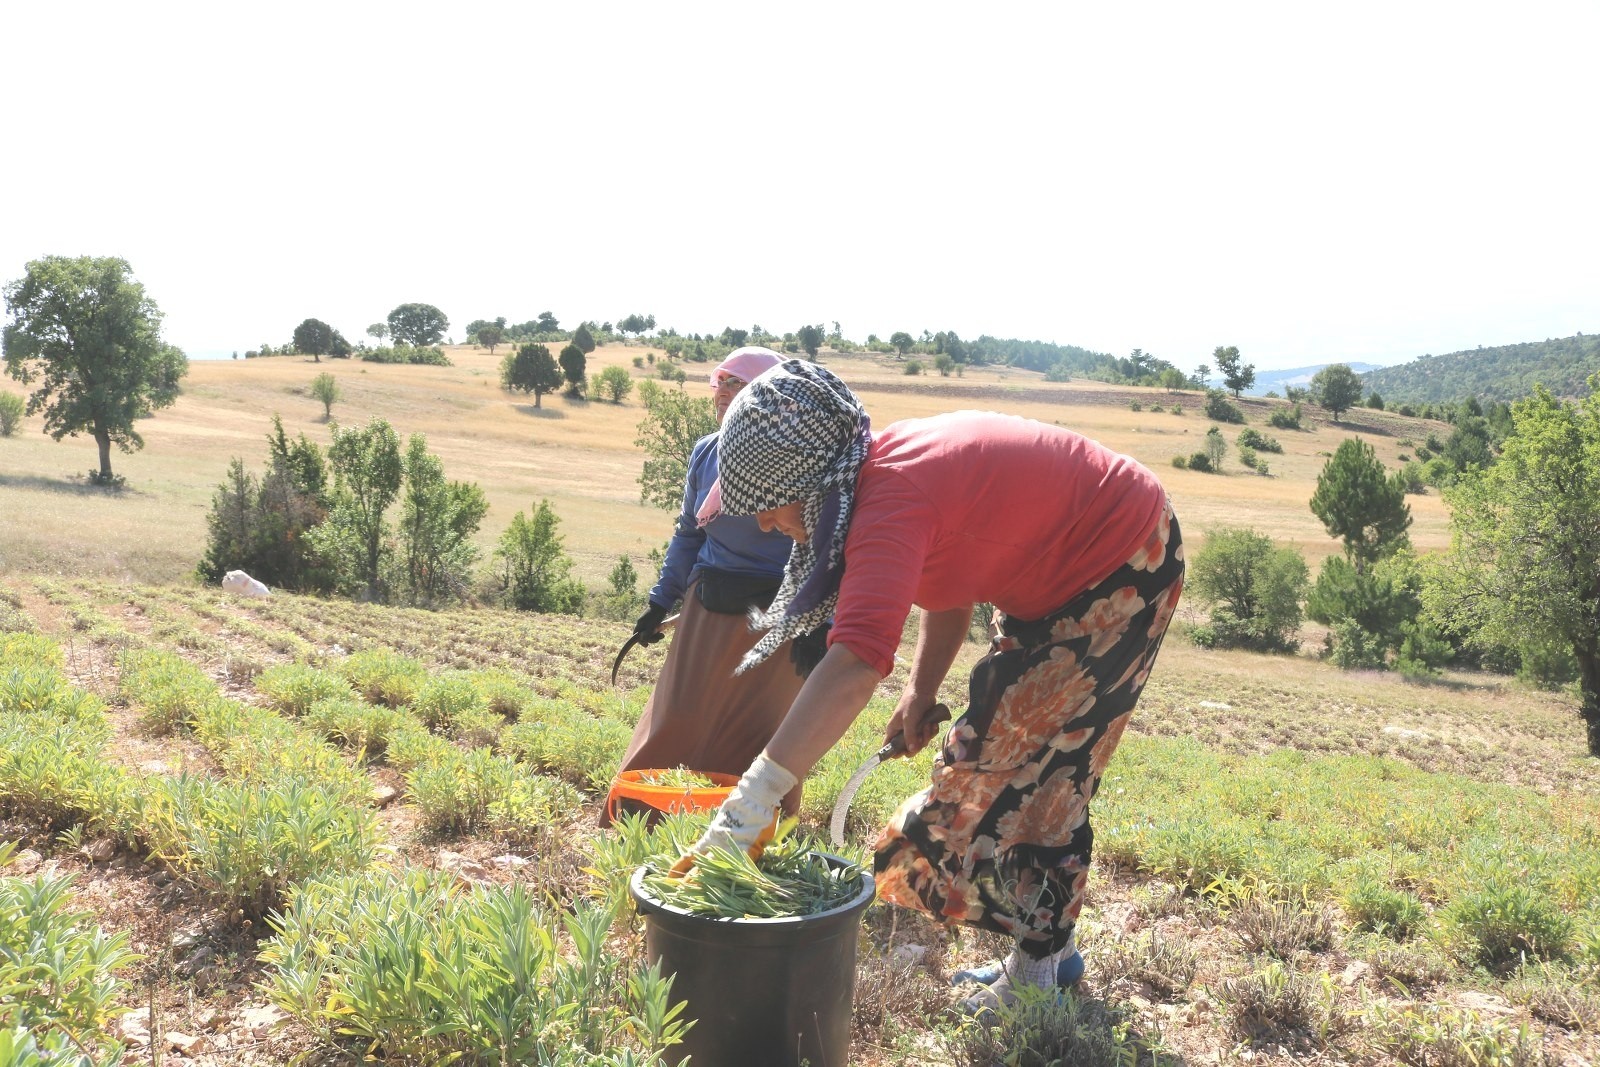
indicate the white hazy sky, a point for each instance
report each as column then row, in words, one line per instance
column 1309, row 182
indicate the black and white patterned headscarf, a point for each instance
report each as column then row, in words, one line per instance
column 795, row 433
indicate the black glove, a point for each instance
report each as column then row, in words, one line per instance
column 807, row 650
column 648, row 628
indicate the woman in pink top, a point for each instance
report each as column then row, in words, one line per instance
column 1077, row 548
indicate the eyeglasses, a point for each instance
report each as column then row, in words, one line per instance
column 730, row 383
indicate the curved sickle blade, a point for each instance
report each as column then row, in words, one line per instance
column 895, row 746
column 623, row 651
column 841, row 807
column 666, row 624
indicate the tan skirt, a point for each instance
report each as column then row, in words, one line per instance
column 700, row 715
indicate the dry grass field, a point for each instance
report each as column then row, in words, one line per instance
column 580, row 454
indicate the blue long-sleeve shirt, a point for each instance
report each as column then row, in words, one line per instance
column 732, row 543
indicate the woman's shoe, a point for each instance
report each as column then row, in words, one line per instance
column 1069, row 972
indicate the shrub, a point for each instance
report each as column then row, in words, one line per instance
column 1134, row 405
column 167, row 690
column 11, row 411
column 1441, row 1035
column 441, row 699
column 1504, row 922
column 245, row 844
column 1220, row 409
column 1278, row 1003
column 1043, row 1027
column 382, row 676
column 1181, row 462
column 406, row 354
column 1200, row 462
column 913, row 367
column 1285, row 420
column 452, row 794
column 347, row 722
column 1252, row 438
column 1393, row 913
column 58, row 969
column 1281, row 929
column 291, row 688
column 1247, row 457
column 509, row 993
column 530, row 809
column 1255, row 588
column 477, row 728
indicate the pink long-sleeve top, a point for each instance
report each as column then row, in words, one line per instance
column 975, row 506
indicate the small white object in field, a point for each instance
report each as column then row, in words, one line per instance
column 1217, row 704
column 241, row 583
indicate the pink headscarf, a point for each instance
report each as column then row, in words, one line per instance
column 745, row 364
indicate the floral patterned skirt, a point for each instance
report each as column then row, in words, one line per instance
column 1001, row 840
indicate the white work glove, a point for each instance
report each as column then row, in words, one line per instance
column 748, row 817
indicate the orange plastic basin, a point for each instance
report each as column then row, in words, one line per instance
column 630, row 791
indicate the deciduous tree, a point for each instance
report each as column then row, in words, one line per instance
column 1525, row 556
column 325, row 387
column 1237, row 375
column 92, row 338
column 673, row 422
column 1336, row 388
column 313, row 338
column 490, row 336
column 417, row 325
column 12, row 409
column 614, row 383
column 810, row 338
column 902, row 342
column 367, row 471
column 1255, row 587
column 536, row 566
column 438, row 520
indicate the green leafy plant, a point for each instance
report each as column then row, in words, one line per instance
column 1440, row 1035
column 168, row 690
column 57, row 970
column 790, row 878
column 1374, row 906
column 245, row 845
column 428, row 971
column 1506, row 921
column 382, row 676
column 292, row 688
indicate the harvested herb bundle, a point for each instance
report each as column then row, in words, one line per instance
column 791, row 879
column 677, row 778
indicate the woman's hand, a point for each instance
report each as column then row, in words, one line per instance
column 918, row 717
column 748, row 817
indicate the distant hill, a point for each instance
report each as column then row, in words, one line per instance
column 1505, row 373
column 1276, row 381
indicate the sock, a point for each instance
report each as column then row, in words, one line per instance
column 1027, row 970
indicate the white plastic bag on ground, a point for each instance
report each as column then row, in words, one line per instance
column 241, row 583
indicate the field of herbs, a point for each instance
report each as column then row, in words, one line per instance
column 296, row 830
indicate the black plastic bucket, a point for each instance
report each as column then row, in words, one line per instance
column 764, row 992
